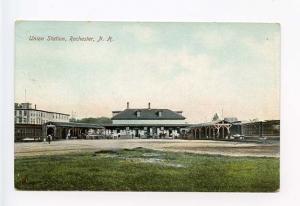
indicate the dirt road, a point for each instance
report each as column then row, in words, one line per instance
column 193, row 146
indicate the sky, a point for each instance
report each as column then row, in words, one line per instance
column 200, row 68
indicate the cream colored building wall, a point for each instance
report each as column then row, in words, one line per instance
column 38, row 117
column 148, row 122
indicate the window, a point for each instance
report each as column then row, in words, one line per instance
column 159, row 113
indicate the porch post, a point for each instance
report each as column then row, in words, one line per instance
column 223, row 133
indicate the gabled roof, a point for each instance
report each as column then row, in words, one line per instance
column 230, row 119
column 148, row 114
column 226, row 120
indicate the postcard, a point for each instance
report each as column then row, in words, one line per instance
column 147, row 106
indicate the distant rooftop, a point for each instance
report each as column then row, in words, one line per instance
column 28, row 106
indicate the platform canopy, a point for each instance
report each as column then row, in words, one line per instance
column 75, row 124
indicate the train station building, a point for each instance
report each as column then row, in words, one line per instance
column 146, row 123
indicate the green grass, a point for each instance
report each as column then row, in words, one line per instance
column 147, row 170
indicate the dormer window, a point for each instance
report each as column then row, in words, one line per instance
column 138, row 113
column 159, row 114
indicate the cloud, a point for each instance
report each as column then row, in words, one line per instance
column 267, row 50
column 206, row 70
column 214, row 39
column 142, row 33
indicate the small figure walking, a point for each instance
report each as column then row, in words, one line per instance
column 49, row 137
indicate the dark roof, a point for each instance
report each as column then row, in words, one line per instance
column 231, row 119
column 144, row 125
column 75, row 124
column 273, row 121
column 150, row 114
column 19, row 125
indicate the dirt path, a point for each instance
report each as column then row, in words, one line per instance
column 193, row 146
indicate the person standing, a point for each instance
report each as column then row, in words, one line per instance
column 49, row 138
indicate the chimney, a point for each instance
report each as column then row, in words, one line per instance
column 35, row 106
column 127, row 105
column 149, row 105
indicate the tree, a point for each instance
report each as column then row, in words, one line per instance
column 216, row 117
column 72, row 119
column 93, row 120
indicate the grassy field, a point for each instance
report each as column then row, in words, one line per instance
column 147, row 170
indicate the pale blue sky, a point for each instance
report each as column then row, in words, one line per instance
column 199, row 68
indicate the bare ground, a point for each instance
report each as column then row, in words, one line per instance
column 191, row 146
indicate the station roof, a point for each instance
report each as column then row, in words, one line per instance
column 75, row 124
column 148, row 114
column 233, row 122
column 222, row 121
